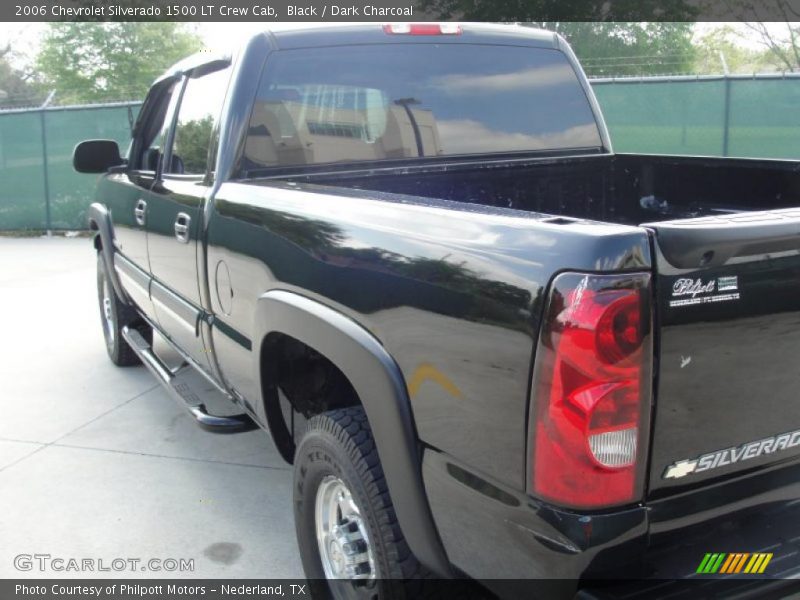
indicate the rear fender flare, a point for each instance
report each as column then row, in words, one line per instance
column 381, row 388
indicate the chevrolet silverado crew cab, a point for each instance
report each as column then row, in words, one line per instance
column 490, row 346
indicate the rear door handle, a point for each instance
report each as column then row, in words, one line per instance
column 182, row 228
column 140, row 212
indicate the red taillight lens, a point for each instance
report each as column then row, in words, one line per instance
column 422, row 29
column 592, row 391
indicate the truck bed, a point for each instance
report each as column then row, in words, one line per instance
column 625, row 188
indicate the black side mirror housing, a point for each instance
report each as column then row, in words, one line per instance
column 96, row 156
column 177, row 166
column 151, row 159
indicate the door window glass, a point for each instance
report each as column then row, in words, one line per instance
column 153, row 135
column 199, row 110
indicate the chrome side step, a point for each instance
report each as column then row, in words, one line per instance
column 187, row 387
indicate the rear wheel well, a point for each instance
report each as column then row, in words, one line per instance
column 297, row 383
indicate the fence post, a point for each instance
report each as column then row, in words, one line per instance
column 48, row 216
column 727, row 124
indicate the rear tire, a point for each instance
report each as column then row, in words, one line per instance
column 337, row 457
column 114, row 315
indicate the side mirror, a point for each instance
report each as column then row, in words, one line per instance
column 96, row 156
column 151, row 159
column 177, row 166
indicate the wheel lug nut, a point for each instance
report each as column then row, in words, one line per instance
column 355, row 547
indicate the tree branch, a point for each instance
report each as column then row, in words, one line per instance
column 792, row 35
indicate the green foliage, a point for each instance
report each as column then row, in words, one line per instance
column 773, row 23
column 15, row 90
column 609, row 37
column 191, row 143
column 609, row 49
column 565, row 10
column 15, row 86
column 97, row 62
column 783, row 45
column 721, row 44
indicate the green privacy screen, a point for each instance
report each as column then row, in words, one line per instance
column 754, row 117
column 71, row 192
column 22, row 197
column 36, row 169
column 715, row 116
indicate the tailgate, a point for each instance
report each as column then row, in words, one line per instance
column 727, row 397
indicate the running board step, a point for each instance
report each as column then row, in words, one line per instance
column 188, row 387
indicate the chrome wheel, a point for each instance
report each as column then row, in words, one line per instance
column 108, row 311
column 344, row 546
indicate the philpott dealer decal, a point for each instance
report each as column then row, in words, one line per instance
column 687, row 292
column 731, row 456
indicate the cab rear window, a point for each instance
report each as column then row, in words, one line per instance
column 399, row 101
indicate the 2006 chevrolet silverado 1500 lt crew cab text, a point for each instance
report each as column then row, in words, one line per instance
column 490, row 346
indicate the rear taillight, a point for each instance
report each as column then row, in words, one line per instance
column 422, row 29
column 592, row 391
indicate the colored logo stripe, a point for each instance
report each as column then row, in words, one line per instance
column 710, row 563
column 735, row 562
column 758, row 563
column 731, row 560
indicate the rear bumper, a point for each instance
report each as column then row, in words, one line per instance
column 672, row 559
column 759, row 512
column 520, row 547
column 516, row 545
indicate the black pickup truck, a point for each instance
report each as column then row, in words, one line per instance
column 490, row 346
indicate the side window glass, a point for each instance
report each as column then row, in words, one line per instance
column 153, row 137
column 199, row 110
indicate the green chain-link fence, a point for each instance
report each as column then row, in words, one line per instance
column 715, row 116
column 40, row 189
column 756, row 116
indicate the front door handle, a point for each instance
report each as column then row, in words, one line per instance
column 140, row 212
column 182, row 228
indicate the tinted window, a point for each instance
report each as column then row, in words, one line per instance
column 199, row 109
column 154, row 133
column 399, row 101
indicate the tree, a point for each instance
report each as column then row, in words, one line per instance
column 719, row 51
column 96, row 62
column 16, row 88
column 563, row 10
column 623, row 37
column 774, row 24
column 783, row 46
column 191, row 143
column 619, row 48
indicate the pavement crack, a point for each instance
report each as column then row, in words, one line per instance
column 18, row 441
column 21, row 458
column 43, row 445
column 167, row 456
column 103, row 414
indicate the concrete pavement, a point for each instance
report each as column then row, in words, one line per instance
column 97, row 462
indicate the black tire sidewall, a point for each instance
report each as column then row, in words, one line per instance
column 321, row 454
column 120, row 353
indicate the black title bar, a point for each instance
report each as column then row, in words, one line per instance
column 400, row 10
